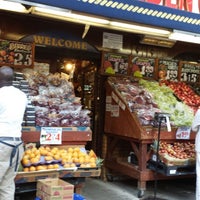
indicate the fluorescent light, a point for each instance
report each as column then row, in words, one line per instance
column 185, row 36
column 12, row 6
column 141, row 29
column 68, row 15
column 56, row 13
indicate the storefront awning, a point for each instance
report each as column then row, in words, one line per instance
column 130, row 10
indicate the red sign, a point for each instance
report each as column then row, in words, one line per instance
column 187, row 5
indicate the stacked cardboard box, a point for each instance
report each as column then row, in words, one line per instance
column 54, row 189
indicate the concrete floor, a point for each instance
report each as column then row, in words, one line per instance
column 126, row 189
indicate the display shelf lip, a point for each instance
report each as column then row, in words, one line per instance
column 70, row 129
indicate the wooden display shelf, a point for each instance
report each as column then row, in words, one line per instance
column 121, row 125
column 70, row 135
column 24, row 177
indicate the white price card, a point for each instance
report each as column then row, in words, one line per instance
column 51, row 135
column 183, row 133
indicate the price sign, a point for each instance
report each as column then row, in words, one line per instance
column 144, row 65
column 16, row 54
column 51, row 135
column 183, row 133
column 171, row 68
column 190, row 72
column 115, row 63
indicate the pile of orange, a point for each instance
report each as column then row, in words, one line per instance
column 67, row 158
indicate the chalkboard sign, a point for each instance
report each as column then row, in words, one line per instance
column 16, row 54
column 143, row 67
column 168, row 69
column 115, row 63
column 190, row 72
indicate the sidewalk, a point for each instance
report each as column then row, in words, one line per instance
column 179, row 189
column 126, row 189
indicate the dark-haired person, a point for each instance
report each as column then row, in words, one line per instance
column 13, row 103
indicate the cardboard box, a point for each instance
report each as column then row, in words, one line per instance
column 44, row 196
column 55, row 187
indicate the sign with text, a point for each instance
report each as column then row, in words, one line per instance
column 183, row 133
column 16, row 54
column 51, row 135
column 115, row 63
column 169, row 68
column 190, row 72
column 143, row 66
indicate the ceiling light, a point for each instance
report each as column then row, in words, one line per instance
column 140, row 28
column 12, row 6
column 185, row 36
column 67, row 14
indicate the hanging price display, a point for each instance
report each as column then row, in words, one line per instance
column 170, row 68
column 190, row 72
column 183, row 133
column 16, row 54
column 143, row 65
column 51, row 135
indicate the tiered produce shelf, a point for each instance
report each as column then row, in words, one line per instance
column 125, row 134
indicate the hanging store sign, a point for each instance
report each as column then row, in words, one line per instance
column 133, row 11
column 59, row 40
column 187, row 5
column 16, row 54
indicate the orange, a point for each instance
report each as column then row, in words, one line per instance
column 34, row 160
column 70, row 150
column 50, row 166
column 28, row 151
column 32, row 155
column 48, row 158
column 39, row 167
column 26, row 169
column 66, row 165
column 72, row 165
column 25, row 161
column 56, row 157
column 56, row 166
column 32, row 168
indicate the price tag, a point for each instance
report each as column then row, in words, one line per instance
column 51, row 135
column 183, row 133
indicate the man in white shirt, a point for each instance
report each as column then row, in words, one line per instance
column 13, row 103
column 196, row 128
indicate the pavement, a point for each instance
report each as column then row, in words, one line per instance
column 126, row 189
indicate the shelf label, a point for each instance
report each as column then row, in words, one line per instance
column 183, row 133
column 51, row 135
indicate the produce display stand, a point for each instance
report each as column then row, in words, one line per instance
column 71, row 136
column 123, row 126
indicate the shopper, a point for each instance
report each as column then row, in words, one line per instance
column 12, row 107
column 196, row 128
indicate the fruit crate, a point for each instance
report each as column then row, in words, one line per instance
column 176, row 170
